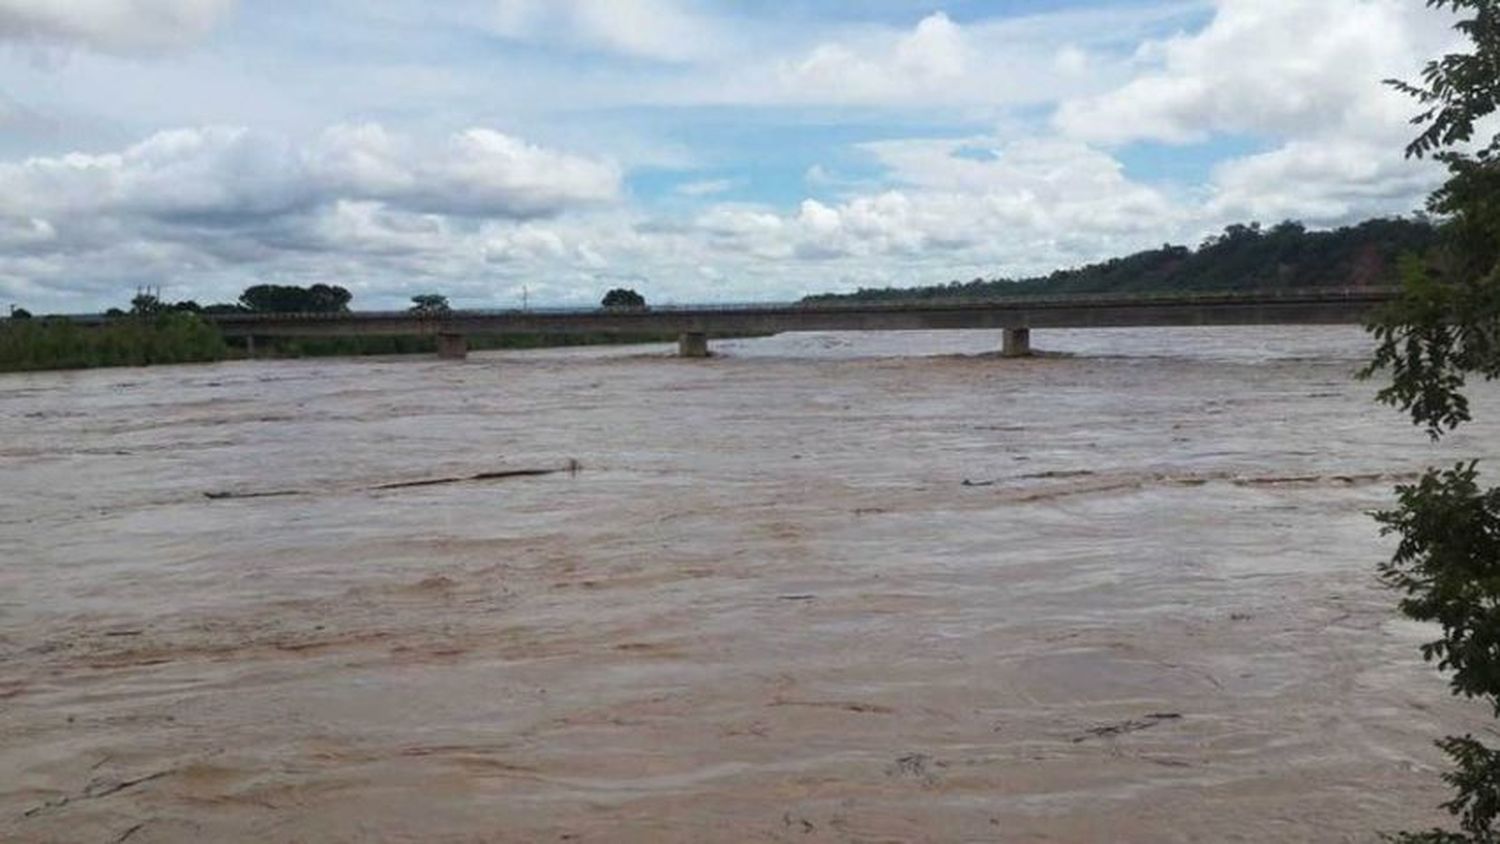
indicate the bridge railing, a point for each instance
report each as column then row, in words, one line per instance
column 1290, row 296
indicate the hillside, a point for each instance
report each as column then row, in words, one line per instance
column 1242, row 258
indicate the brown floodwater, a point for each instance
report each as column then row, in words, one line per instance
column 824, row 587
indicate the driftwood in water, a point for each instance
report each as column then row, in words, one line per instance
column 572, row 467
column 219, row 496
column 482, row 476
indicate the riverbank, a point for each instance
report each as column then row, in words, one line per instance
column 31, row 345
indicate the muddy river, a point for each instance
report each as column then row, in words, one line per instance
column 827, row 587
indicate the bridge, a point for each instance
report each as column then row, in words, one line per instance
column 1016, row 317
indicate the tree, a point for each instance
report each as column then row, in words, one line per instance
column 326, row 298
column 146, row 304
column 622, row 299
column 290, row 299
column 1445, row 329
column 429, row 304
column 17, row 312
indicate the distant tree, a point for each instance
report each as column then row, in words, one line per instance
column 19, row 313
column 429, row 304
column 290, row 299
column 327, row 298
column 1444, row 330
column 115, row 313
column 187, row 306
column 270, row 298
column 146, row 304
column 1288, row 229
column 623, row 299
column 224, row 308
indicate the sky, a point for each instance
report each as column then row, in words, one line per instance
column 695, row 150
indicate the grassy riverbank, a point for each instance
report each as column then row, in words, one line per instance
column 41, row 344
column 36, row 344
column 398, row 345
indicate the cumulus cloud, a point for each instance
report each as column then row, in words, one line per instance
column 116, row 26
column 1303, row 77
column 221, row 173
column 934, row 53
column 487, row 173
column 1325, row 182
column 1026, row 202
column 984, row 63
column 1268, row 67
column 214, row 200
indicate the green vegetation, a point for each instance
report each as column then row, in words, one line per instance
column 54, row 343
column 623, row 299
column 430, row 304
column 1444, row 330
column 286, row 299
column 154, row 331
column 1242, row 258
column 397, row 345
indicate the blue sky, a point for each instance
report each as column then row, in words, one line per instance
column 704, row 150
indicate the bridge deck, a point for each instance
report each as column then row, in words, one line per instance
column 1299, row 307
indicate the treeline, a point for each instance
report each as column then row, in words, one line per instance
column 1243, row 257
column 258, row 299
column 60, row 343
column 155, row 331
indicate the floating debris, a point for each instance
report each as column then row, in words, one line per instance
column 572, row 467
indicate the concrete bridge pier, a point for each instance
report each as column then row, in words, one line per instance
column 692, row 344
column 452, row 346
column 1016, row 343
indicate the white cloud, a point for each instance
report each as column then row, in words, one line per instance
column 1321, row 182
column 1268, row 67
column 1304, row 76
column 486, row 173
column 371, row 228
column 982, row 64
column 525, row 243
column 1023, row 204
column 220, row 173
column 666, row 30
column 934, row 51
column 120, row 26
column 933, row 54
column 220, row 204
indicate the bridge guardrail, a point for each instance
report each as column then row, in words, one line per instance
column 1351, row 294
